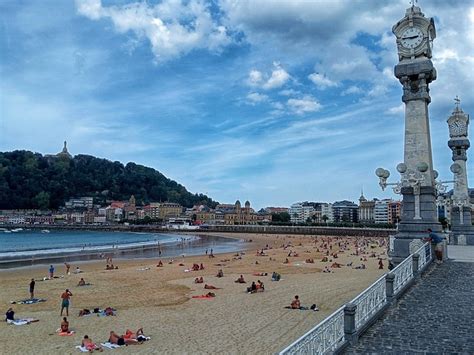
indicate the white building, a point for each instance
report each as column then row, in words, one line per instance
column 381, row 211
column 300, row 212
column 326, row 210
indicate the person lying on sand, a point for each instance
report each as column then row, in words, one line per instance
column 90, row 345
column 336, row 265
column 240, row 280
column 84, row 312
column 114, row 338
column 211, row 287
column 138, row 335
column 199, row 280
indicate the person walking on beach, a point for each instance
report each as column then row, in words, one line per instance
column 51, row 271
column 32, row 289
column 67, row 268
column 66, row 295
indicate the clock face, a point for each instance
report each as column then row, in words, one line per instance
column 456, row 128
column 411, row 37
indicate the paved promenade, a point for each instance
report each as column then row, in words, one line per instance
column 436, row 316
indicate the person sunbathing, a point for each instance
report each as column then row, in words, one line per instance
column 252, row 288
column 260, row 286
column 64, row 326
column 310, row 261
column 220, row 273
column 114, row 338
column 160, row 264
column 240, row 280
column 90, row 345
column 77, row 271
column 380, row 264
column 109, row 311
column 324, row 259
column 198, row 280
column 138, row 335
column 210, row 287
column 84, row 312
column 336, row 265
column 10, row 315
column 81, row 282
column 286, row 261
column 201, row 267
column 296, row 304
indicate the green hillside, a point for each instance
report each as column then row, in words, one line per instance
column 31, row 180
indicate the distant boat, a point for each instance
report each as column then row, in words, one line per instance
column 45, row 231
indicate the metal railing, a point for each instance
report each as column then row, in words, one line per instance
column 403, row 273
column 370, row 301
column 326, row 337
column 338, row 329
column 425, row 255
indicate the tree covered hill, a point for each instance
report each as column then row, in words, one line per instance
column 31, row 180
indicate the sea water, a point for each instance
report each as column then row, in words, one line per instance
column 28, row 244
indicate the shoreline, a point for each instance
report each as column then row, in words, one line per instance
column 192, row 247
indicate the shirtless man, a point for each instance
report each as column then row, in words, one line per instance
column 66, row 295
column 81, row 282
column 296, row 304
column 114, row 338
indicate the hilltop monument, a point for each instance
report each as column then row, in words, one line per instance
column 461, row 218
column 415, row 71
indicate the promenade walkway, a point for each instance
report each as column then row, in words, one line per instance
column 435, row 316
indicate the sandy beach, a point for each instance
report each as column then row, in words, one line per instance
column 160, row 299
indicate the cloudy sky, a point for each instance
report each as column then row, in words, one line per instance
column 270, row 101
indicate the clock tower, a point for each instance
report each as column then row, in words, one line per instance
column 415, row 71
column 461, row 220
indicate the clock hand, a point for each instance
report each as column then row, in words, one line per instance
column 410, row 37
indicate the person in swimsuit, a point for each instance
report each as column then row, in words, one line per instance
column 64, row 326
column 81, row 282
column 114, row 338
column 296, row 304
column 66, row 295
column 90, row 345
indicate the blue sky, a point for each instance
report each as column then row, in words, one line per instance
column 270, row 101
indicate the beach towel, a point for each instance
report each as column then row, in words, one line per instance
column 110, row 346
column 66, row 334
column 22, row 321
column 29, row 301
column 82, row 348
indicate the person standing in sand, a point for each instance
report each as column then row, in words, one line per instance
column 66, row 295
column 32, row 289
column 68, row 266
column 51, row 271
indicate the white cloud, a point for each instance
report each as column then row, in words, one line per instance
column 255, row 78
column 255, row 97
column 352, row 90
column 321, row 81
column 303, row 105
column 276, row 79
column 396, row 110
column 172, row 27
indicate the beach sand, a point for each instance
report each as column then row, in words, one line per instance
column 160, row 300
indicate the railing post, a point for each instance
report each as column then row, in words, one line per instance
column 349, row 322
column 416, row 263
column 389, row 279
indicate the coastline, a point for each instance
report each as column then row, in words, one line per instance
column 192, row 247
